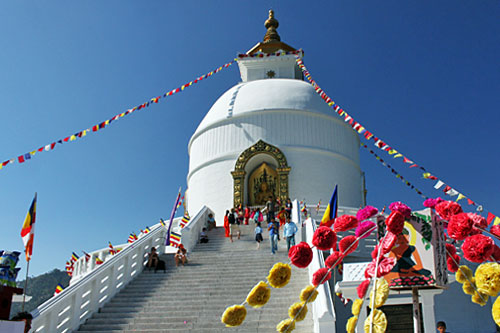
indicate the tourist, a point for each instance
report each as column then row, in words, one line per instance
column 211, row 221
column 258, row 234
column 226, row 224
column 181, row 256
column 153, row 258
column 247, row 215
column 26, row 317
column 270, row 209
column 441, row 327
column 239, row 216
column 282, row 216
column 289, row 233
column 232, row 222
column 203, row 236
column 288, row 207
column 274, row 229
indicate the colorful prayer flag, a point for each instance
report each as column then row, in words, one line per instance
column 490, row 217
column 59, row 288
column 98, row 261
column 331, row 210
column 28, row 229
column 185, row 220
column 174, row 209
column 112, row 251
column 497, row 220
column 87, row 256
column 175, row 239
column 74, row 257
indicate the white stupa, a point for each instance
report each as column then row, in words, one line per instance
column 271, row 135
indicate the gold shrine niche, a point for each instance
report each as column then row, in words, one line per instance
column 264, row 180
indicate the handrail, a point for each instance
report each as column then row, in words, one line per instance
column 190, row 234
column 323, row 307
column 75, row 304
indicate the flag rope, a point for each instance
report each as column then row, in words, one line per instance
column 384, row 146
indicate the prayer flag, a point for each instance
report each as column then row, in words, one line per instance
column 470, row 202
column 28, row 229
column 175, row 239
column 438, row 185
column 112, row 251
column 490, row 217
column 162, row 223
column 98, row 261
column 497, row 220
column 74, row 257
column 331, row 210
column 59, row 288
column 174, row 209
column 460, row 197
column 87, row 256
column 185, row 220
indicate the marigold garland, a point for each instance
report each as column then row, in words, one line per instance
column 356, row 307
column 279, row 275
column 464, row 274
column 348, row 244
column 381, row 293
column 495, row 311
column 321, row 276
column 286, row 325
column 379, row 322
column 234, row 315
column 308, row 294
column 350, row 327
column 469, row 288
column 362, row 288
column 300, row 255
column 480, row 298
column 344, row 223
column 488, row 278
column 478, row 248
column 447, row 209
column 333, row 259
column 460, row 226
column 293, row 311
column 259, row 295
column 324, row 238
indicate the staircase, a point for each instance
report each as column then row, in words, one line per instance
column 192, row 298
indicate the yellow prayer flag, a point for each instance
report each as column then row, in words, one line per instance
column 84, row 132
column 72, row 138
column 398, row 155
column 460, row 197
column 392, row 151
column 33, row 152
column 496, row 221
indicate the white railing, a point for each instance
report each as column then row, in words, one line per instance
column 190, row 234
column 322, row 308
column 96, row 285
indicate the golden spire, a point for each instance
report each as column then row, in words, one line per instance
column 271, row 24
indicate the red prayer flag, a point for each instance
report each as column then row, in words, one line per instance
column 470, row 202
column 490, row 218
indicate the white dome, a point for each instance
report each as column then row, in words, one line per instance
column 321, row 149
column 261, row 95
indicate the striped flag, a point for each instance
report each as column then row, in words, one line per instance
column 185, row 220
column 98, row 261
column 162, row 223
column 318, row 206
column 112, row 251
column 180, row 202
column 74, row 257
column 28, row 230
column 132, row 238
column 174, row 209
column 59, row 288
column 330, row 211
column 69, row 268
column 175, row 239
column 87, row 256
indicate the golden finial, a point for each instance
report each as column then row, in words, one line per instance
column 271, row 24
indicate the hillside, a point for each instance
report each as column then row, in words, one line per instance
column 41, row 288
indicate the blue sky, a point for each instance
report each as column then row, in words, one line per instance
column 424, row 76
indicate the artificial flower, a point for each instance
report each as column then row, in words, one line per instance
column 381, row 293
column 362, row 288
column 495, row 230
column 488, row 278
column 301, row 255
column 395, row 222
column 388, row 243
column 286, row 325
column 447, row 209
column 452, row 263
column 479, row 223
column 469, row 288
column 333, row 259
column 234, row 315
column 279, row 275
column 379, row 322
column 348, row 244
column 350, row 327
column 308, row 294
column 495, row 311
column 293, row 311
column 402, row 208
column 362, row 229
column 344, row 223
column 480, row 298
column 259, row 295
column 459, row 226
column 450, row 249
column 366, row 213
column 478, row 248
column 431, row 203
column 356, row 307
column 321, row 276
column 324, row 238
column 385, row 265
column 464, row 274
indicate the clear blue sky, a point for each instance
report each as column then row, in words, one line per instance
column 422, row 75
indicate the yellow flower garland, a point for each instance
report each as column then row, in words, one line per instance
column 279, row 275
column 259, row 295
column 495, row 311
column 293, row 310
column 464, row 274
column 308, row 291
column 234, row 315
column 488, row 278
column 286, row 325
column 468, row 288
column 356, row 307
column 379, row 322
column 381, row 294
column 480, row 298
column 350, row 327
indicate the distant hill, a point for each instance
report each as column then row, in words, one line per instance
column 41, row 288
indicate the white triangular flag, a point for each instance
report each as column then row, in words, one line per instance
column 438, row 184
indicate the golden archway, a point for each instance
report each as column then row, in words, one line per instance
column 239, row 173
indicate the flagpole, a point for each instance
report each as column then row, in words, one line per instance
column 25, row 285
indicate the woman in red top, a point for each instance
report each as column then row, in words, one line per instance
column 247, row 215
column 226, row 224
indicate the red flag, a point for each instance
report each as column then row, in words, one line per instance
column 470, row 202
column 28, row 229
column 490, row 217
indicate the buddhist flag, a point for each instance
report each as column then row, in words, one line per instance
column 28, row 230
column 174, row 209
column 87, row 256
column 59, row 288
column 112, row 251
column 175, row 239
column 185, row 220
column 331, row 210
column 98, row 261
column 74, row 257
